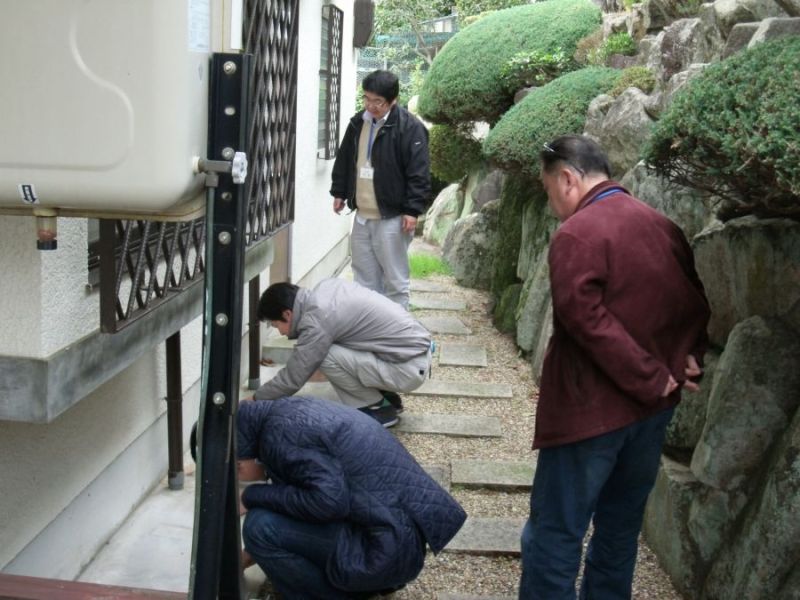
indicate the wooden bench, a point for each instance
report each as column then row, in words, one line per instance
column 18, row 587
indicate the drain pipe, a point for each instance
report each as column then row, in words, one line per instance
column 174, row 412
column 46, row 228
column 254, row 335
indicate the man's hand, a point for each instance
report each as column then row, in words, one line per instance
column 409, row 224
column 671, row 386
column 692, row 372
column 338, row 205
column 247, row 560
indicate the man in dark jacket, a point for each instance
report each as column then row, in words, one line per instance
column 629, row 331
column 347, row 511
column 382, row 170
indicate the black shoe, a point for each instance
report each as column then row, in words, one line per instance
column 383, row 412
column 394, row 399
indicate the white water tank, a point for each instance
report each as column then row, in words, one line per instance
column 103, row 104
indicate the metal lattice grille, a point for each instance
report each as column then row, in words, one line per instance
column 271, row 36
column 330, row 76
column 144, row 263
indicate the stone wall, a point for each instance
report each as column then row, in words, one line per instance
column 724, row 517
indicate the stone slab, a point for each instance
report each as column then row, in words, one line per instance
column 488, row 537
column 439, row 473
column 449, row 596
column 452, row 425
column 462, row 355
column 277, row 350
column 437, row 387
column 445, row 325
column 420, row 285
column 423, row 303
column 497, row 475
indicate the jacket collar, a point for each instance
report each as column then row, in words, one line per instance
column 608, row 186
column 394, row 116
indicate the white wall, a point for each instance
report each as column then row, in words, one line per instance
column 44, row 305
column 317, row 229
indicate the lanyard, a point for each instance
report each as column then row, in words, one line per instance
column 370, row 140
column 599, row 197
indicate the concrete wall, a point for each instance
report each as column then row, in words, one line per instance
column 317, row 228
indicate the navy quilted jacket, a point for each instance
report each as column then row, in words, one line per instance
column 328, row 462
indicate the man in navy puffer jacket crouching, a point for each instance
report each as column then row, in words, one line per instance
column 347, row 512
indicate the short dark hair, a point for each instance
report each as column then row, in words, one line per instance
column 578, row 151
column 276, row 298
column 383, row 83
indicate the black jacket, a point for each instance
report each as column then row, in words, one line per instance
column 400, row 158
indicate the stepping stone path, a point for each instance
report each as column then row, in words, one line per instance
column 455, row 425
column 432, row 387
column 448, row 596
column 508, row 476
column 488, row 537
column 436, row 304
column 445, row 325
column 462, row 355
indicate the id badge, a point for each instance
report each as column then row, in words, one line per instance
column 366, row 172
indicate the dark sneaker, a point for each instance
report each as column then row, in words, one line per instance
column 394, row 399
column 383, row 412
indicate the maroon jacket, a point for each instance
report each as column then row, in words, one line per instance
column 628, row 307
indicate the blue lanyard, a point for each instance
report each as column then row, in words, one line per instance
column 599, row 197
column 369, row 141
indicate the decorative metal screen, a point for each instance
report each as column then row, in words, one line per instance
column 142, row 264
column 330, row 81
column 271, row 37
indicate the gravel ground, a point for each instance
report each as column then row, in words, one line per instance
column 482, row 575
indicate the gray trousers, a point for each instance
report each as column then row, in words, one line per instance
column 357, row 375
column 379, row 249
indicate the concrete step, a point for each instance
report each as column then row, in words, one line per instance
column 423, row 303
column 277, row 350
column 496, row 475
column 452, row 425
column 445, row 325
column 438, row 387
column 488, row 536
column 462, row 355
column 422, row 285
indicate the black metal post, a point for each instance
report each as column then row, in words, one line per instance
column 216, row 570
column 174, row 412
column 254, row 335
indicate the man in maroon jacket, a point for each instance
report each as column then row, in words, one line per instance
column 630, row 317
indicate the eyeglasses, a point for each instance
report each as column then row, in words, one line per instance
column 376, row 102
column 559, row 156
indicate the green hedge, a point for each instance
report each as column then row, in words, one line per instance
column 555, row 109
column 734, row 131
column 464, row 84
column 454, row 152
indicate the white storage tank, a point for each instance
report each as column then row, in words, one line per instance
column 103, row 105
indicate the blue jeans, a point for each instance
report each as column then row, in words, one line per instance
column 605, row 479
column 292, row 553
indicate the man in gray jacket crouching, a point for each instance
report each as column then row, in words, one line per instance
column 367, row 346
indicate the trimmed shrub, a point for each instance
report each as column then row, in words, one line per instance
column 619, row 43
column 463, row 83
column 734, row 132
column 535, row 68
column 555, row 109
column 454, row 152
column 638, row 77
column 470, row 8
column 588, row 48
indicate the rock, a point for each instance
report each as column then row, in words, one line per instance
column 665, row 527
column 740, row 36
column 468, row 247
column 519, row 95
column 538, row 224
column 440, row 217
column 488, row 189
column 614, row 23
column 681, row 44
column 677, row 82
column 772, row 28
column 597, row 111
column 712, row 517
column 690, row 209
column 749, row 267
column 791, row 8
column 534, row 301
column 623, row 131
column 504, row 316
column 755, row 392
column 636, row 23
column 731, row 12
column 687, row 423
column 757, row 563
